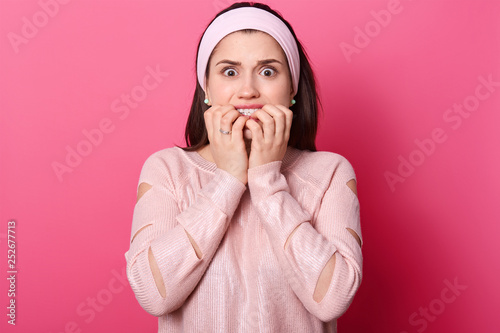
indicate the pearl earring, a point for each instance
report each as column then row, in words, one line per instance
column 206, row 101
column 293, row 102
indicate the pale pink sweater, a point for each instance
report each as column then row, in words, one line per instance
column 245, row 280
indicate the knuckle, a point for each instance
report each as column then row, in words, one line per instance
column 225, row 121
column 267, row 120
column 280, row 116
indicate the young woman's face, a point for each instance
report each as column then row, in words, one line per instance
column 249, row 70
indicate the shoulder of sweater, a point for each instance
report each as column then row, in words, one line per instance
column 163, row 165
column 320, row 168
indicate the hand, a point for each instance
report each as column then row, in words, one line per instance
column 270, row 128
column 228, row 150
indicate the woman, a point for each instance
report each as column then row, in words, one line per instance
column 249, row 228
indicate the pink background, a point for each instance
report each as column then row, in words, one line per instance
column 438, row 227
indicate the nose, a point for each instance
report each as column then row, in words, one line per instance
column 248, row 87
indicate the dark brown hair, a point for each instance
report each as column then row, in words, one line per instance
column 305, row 121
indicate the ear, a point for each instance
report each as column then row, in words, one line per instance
column 291, row 97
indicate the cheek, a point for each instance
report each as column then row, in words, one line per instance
column 282, row 97
column 222, row 91
column 281, row 92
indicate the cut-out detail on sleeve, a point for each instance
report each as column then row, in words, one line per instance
column 352, row 185
column 155, row 270
column 195, row 246
column 290, row 237
column 138, row 231
column 326, row 278
column 355, row 235
column 143, row 188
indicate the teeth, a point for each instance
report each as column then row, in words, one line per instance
column 246, row 112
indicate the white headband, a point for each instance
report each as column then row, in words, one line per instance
column 248, row 18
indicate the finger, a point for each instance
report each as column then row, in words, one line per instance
column 238, row 126
column 220, row 112
column 215, row 122
column 208, row 116
column 227, row 108
column 256, row 129
column 227, row 120
column 279, row 120
column 229, row 117
column 268, row 125
column 288, row 119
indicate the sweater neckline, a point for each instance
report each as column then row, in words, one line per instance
column 291, row 156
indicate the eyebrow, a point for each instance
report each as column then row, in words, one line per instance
column 238, row 63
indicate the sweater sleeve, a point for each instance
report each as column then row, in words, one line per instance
column 165, row 227
column 315, row 241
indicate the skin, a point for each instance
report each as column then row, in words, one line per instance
column 263, row 138
column 256, row 140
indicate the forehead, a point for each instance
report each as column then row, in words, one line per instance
column 256, row 43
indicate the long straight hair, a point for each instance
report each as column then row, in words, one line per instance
column 305, row 121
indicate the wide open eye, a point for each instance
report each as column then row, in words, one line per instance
column 269, row 71
column 229, row 72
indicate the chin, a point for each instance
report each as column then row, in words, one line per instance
column 247, row 134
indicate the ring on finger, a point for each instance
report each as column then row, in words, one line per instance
column 225, row 132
